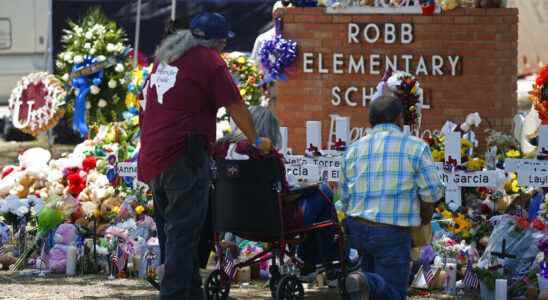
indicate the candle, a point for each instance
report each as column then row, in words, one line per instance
column 500, row 289
column 283, row 133
column 342, row 129
column 71, row 261
column 314, row 134
column 451, row 280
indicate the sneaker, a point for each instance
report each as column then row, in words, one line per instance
column 357, row 286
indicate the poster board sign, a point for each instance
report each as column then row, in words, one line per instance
column 303, row 172
column 127, row 169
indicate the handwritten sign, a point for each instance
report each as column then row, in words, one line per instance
column 127, row 169
column 516, row 165
column 533, row 178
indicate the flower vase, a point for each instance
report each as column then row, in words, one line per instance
column 428, row 10
column 542, row 283
column 486, row 293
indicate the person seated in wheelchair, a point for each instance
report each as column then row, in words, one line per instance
column 299, row 209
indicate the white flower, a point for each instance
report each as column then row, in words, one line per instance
column 92, row 51
column 66, row 77
column 88, row 105
column 111, row 47
column 78, row 59
column 112, row 84
column 67, row 56
column 94, row 90
column 122, row 81
column 87, row 46
column 78, row 30
column 101, row 58
column 59, row 64
column 102, row 102
column 119, row 48
column 89, row 35
column 119, row 68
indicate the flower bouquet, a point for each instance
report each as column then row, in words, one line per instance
column 99, row 47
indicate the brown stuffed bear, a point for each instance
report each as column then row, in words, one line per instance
column 7, row 259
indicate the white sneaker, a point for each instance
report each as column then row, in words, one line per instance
column 357, row 286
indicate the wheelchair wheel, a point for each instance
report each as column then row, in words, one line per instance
column 217, row 285
column 290, row 288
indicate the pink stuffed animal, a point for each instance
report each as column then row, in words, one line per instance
column 64, row 237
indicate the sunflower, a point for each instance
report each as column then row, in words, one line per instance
column 513, row 154
column 475, row 164
column 462, row 224
column 438, row 155
column 446, row 214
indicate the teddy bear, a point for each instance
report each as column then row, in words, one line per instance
column 65, row 236
column 7, row 259
column 23, row 187
column 109, row 205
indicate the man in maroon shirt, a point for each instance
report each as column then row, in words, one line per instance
column 188, row 84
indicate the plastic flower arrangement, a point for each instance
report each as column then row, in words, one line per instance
column 246, row 76
column 96, row 40
column 512, row 186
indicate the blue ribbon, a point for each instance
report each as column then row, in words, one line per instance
column 284, row 51
column 82, row 83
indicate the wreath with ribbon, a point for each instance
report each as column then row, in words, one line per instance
column 277, row 54
column 36, row 103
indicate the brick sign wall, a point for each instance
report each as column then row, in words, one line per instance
column 466, row 61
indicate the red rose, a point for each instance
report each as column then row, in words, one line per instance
column 89, row 163
column 523, row 223
column 76, row 184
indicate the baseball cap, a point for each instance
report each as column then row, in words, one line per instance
column 210, row 26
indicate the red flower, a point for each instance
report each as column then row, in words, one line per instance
column 76, row 184
column 89, row 163
column 538, row 224
column 522, row 223
column 542, row 76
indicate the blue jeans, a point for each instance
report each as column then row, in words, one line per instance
column 181, row 199
column 386, row 255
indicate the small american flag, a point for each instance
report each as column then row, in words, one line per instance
column 428, row 274
column 470, row 278
column 229, row 267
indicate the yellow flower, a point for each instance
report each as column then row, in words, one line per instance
column 461, row 224
column 438, row 155
column 241, row 60
column 447, row 214
column 475, row 164
column 514, row 186
column 513, row 154
column 243, row 92
column 139, row 209
column 116, row 209
column 465, row 144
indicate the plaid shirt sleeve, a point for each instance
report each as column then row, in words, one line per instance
column 343, row 188
column 430, row 187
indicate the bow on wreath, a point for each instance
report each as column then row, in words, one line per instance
column 277, row 54
column 82, row 84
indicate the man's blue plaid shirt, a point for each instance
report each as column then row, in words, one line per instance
column 384, row 175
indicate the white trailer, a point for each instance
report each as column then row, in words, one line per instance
column 24, row 29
